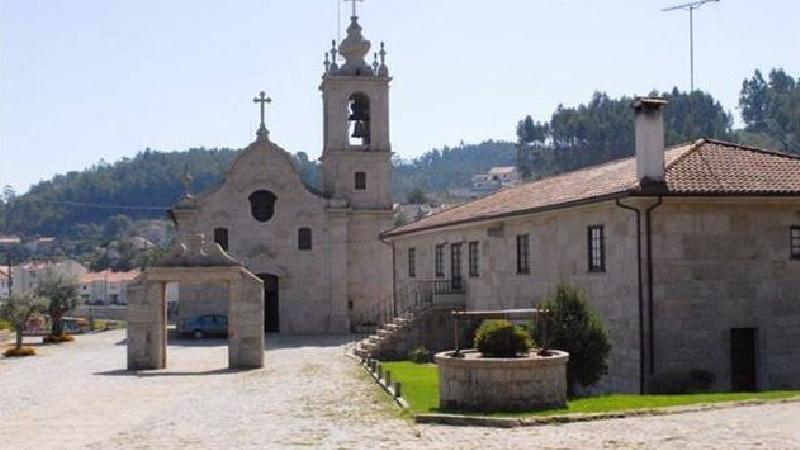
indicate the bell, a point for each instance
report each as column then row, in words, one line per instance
column 360, row 130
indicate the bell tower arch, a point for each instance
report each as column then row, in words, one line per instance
column 356, row 158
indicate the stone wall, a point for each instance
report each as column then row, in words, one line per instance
column 718, row 264
column 99, row 312
column 722, row 264
column 432, row 329
column 502, row 384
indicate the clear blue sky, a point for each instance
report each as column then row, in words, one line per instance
column 82, row 80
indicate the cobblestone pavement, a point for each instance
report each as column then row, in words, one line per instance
column 78, row 396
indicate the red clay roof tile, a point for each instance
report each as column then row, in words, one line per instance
column 704, row 167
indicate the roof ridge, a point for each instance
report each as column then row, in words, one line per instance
column 694, row 147
column 751, row 148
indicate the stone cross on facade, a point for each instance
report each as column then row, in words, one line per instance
column 354, row 5
column 262, row 134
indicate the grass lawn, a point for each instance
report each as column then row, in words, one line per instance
column 421, row 390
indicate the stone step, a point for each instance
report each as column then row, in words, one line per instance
column 369, row 346
column 385, row 333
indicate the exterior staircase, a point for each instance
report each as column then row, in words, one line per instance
column 425, row 320
column 390, row 341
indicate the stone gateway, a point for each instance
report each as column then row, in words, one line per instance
column 318, row 251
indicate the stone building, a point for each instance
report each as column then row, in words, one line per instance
column 691, row 256
column 318, row 252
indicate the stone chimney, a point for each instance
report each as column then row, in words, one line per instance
column 649, row 119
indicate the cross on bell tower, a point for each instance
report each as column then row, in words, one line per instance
column 262, row 134
column 354, row 6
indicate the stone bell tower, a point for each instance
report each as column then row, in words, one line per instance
column 356, row 158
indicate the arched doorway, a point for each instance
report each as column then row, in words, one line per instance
column 272, row 308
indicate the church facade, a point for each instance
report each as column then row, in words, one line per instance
column 319, row 253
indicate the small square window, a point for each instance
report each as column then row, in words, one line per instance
column 795, row 242
column 221, row 237
column 304, row 239
column 361, row 181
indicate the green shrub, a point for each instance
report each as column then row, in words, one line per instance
column 501, row 339
column 419, row 355
column 574, row 328
column 4, row 324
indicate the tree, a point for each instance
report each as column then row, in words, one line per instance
column 17, row 309
column 417, row 197
column 772, row 108
column 753, row 101
column 572, row 327
column 400, row 218
column 62, row 295
column 118, row 225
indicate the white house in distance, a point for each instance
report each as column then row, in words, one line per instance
column 106, row 287
column 25, row 277
column 497, row 178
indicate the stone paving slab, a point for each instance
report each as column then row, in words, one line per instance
column 310, row 395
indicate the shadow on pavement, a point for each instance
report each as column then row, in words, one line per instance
column 166, row 373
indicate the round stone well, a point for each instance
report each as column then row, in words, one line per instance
column 472, row 382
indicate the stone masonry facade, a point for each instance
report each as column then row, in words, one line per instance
column 717, row 265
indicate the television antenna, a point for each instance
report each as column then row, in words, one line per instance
column 691, row 6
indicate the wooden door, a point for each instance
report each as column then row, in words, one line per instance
column 743, row 359
column 272, row 318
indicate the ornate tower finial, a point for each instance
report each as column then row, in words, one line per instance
column 383, row 71
column 354, row 48
column 262, row 135
column 327, row 64
column 334, row 64
column 375, row 63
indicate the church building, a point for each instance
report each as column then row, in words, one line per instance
column 318, row 252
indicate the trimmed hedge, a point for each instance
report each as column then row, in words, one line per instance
column 502, row 339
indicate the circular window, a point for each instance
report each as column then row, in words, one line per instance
column 262, row 205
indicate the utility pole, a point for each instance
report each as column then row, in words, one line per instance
column 691, row 6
